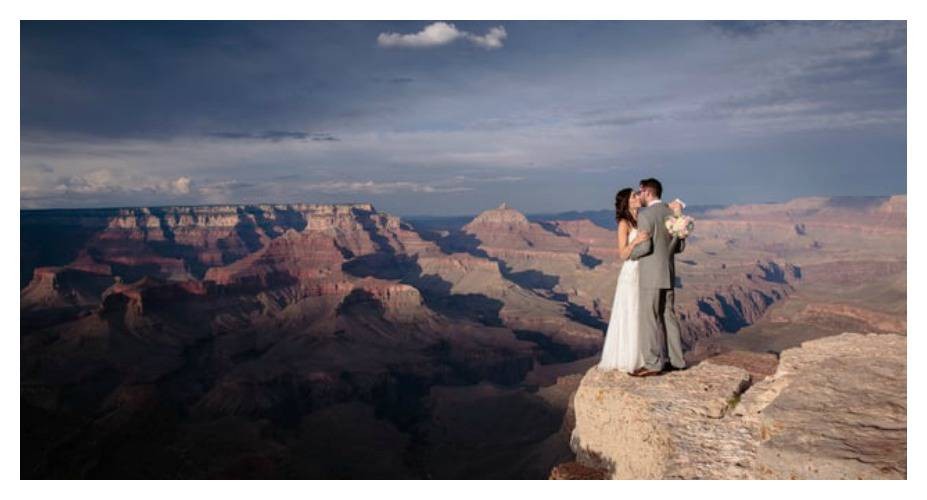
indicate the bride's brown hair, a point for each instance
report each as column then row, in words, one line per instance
column 623, row 207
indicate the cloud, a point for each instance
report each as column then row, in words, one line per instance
column 441, row 33
column 373, row 187
column 40, row 167
column 180, row 186
column 104, row 186
column 105, row 181
column 297, row 187
column 496, row 178
column 275, row 136
column 800, row 98
column 324, row 138
column 433, row 35
column 491, row 40
column 622, row 120
column 224, row 187
column 853, row 79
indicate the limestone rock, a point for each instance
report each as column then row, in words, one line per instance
column 759, row 364
column 503, row 215
column 836, row 409
column 669, row 426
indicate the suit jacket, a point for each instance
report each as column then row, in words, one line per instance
column 657, row 256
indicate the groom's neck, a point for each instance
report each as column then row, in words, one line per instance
column 655, row 200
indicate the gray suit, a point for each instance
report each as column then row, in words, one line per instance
column 657, row 276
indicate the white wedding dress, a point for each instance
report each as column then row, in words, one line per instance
column 622, row 349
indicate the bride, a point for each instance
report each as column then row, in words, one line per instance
column 622, row 345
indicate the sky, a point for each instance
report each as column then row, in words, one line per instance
column 445, row 117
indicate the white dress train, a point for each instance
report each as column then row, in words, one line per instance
column 622, row 348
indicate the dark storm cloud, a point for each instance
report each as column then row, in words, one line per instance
column 164, row 79
column 324, row 138
column 168, row 79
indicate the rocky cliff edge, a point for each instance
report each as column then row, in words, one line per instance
column 835, row 408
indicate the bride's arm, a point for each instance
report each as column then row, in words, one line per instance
column 624, row 246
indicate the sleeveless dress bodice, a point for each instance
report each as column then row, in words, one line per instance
column 622, row 347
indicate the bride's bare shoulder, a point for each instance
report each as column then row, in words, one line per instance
column 624, row 227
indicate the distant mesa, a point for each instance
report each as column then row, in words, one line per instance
column 895, row 204
column 503, row 214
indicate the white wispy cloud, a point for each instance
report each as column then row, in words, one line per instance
column 374, row 187
column 497, row 178
column 441, row 33
column 101, row 186
column 491, row 40
column 181, row 185
column 106, row 181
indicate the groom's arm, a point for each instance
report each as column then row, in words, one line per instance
column 642, row 249
column 645, row 247
column 680, row 244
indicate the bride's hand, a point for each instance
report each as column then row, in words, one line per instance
column 641, row 237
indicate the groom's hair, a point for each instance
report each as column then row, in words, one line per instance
column 653, row 185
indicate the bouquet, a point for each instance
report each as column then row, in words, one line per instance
column 679, row 225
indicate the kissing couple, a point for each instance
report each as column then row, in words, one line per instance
column 643, row 332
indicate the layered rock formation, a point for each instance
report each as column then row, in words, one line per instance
column 199, row 328
column 267, row 313
column 164, row 241
column 834, row 409
column 669, row 426
column 576, row 262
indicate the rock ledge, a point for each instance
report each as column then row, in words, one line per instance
column 834, row 409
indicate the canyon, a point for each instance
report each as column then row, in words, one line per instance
column 337, row 341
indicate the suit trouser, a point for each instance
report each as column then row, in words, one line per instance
column 657, row 316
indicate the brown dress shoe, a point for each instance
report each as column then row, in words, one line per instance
column 644, row 372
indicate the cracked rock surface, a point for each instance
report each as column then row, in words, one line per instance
column 664, row 426
column 835, row 408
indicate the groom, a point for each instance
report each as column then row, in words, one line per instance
column 659, row 328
